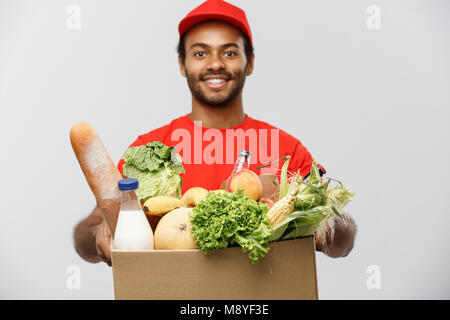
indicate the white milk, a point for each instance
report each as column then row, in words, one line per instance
column 133, row 232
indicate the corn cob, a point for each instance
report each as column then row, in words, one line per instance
column 282, row 207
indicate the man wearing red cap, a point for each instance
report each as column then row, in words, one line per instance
column 215, row 54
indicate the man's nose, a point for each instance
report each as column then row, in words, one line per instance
column 215, row 62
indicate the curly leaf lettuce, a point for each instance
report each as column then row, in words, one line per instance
column 226, row 219
column 253, row 243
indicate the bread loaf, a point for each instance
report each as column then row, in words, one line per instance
column 99, row 170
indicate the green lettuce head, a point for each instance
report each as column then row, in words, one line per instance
column 157, row 168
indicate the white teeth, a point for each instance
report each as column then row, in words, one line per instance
column 215, row 81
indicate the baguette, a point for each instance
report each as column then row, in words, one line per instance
column 99, row 170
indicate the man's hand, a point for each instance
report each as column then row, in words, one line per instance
column 92, row 238
column 338, row 238
column 324, row 237
column 102, row 243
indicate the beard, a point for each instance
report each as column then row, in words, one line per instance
column 217, row 99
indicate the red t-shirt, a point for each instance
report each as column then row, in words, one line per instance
column 209, row 154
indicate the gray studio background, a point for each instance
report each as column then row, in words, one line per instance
column 372, row 105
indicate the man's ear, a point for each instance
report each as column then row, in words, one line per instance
column 182, row 66
column 251, row 64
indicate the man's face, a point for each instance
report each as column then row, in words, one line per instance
column 215, row 65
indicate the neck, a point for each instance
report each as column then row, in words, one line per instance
column 223, row 117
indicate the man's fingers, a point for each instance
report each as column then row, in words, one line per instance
column 318, row 241
column 107, row 253
column 103, row 243
column 104, row 258
column 106, row 232
column 107, row 261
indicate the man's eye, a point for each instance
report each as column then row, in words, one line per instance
column 230, row 53
column 199, row 54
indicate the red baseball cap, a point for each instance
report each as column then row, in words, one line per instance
column 216, row 10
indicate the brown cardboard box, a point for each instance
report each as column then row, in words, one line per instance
column 287, row 272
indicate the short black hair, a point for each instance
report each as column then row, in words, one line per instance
column 181, row 50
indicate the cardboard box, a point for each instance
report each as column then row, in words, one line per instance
column 288, row 272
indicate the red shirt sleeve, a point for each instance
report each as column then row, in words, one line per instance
column 137, row 142
column 301, row 160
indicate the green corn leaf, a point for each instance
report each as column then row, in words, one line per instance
column 284, row 179
column 336, row 211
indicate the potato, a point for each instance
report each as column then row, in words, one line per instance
column 193, row 196
column 271, row 186
column 161, row 204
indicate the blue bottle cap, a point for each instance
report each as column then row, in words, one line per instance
column 245, row 153
column 128, row 184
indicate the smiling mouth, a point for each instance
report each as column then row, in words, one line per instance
column 216, row 83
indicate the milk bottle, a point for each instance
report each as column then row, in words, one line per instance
column 133, row 232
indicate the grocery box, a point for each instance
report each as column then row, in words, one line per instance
column 287, row 272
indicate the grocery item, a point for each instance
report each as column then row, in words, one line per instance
column 282, row 208
column 229, row 219
column 242, row 162
column 133, row 232
column 161, row 204
column 269, row 202
column 314, row 203
column 99, row 170
column 243, row 178
column 157, row 167
column 174, row 231
column 248, row 181
column 284, row 178
column 193, row 196
column 271, row 186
